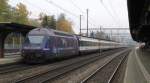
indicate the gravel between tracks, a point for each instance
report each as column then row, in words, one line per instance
column 47, row 75
column 16, row 68
column 104, row 74
column 25, row 73
column 119, row 75
column 81, row 73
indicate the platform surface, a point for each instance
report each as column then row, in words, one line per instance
column 10, row 59
column 138, row 67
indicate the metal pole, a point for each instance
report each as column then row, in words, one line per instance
column 87, row 21
column 111, row 34
column 99, row 42
column 80, row 24
column 100, row 29
column 118, row 36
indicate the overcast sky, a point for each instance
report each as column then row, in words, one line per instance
column 106, row 13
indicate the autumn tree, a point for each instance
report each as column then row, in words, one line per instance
column 21, row 14
column 5, row 13
column 45, row 21
column 48, row 21
column 14, row 15
column 63, row 24
column 34, row 22
column 53, row 22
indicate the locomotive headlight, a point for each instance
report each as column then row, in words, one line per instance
column 46, row 49
column 26, row 47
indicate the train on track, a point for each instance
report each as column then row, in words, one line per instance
column 42, row 44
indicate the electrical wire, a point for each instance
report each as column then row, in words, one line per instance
column 72, row 2
column 37, row 7
column 75, row 5
column 113, row 10
column 58, row 6
column 101, row 1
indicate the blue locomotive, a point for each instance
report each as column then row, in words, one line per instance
column 43, row 44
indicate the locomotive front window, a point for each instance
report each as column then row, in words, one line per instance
column 36, row 39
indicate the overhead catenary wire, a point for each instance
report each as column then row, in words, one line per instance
column 113, row 18
column 72, row 2
column 77, row 7
column 58, row 6
column 67, row 11
column 113, row 10
column 37, row 7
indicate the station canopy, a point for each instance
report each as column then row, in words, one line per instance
column 14, row 27
column 139, row 19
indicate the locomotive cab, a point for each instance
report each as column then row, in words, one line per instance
column 42, row 44
column 37, row 46
column 34, row 42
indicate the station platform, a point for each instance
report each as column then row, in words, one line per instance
column 138, row 67
column 10, row 60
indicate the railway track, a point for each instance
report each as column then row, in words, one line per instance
column 51, row 74
column 13, row 77
column 106, row 73
column 15, row 68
